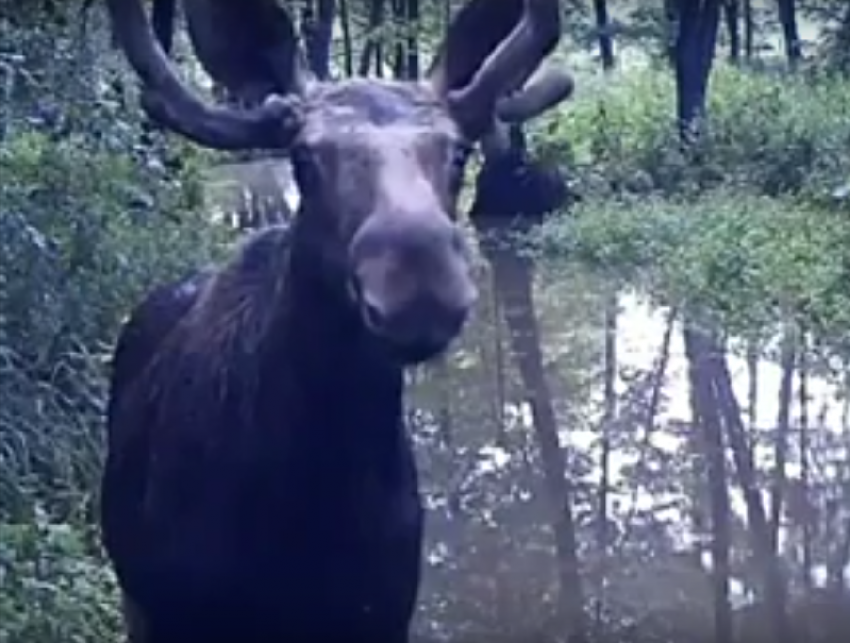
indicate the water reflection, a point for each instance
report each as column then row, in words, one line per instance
column 492, row 564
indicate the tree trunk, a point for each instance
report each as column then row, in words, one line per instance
column 318, row 36
column 767, row 559
column 808, row 525
column 609, row 414
column 347, row 40
column 790, row 30
column 731, row 11
column 603, row 34
column 752, row 358
column 373, row 51
column 501, row 183
column 749, row 30
column 412, row 45
column 708, row 421
column 406, row 39
column 513, row 275
column 782, row 434
column 398, row 24
column 696, row 37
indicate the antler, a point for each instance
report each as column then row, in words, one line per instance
column 514, row 60
column 249, row 47
column 552, row 86
column 166, row 98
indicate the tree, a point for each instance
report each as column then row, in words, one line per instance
column 790, row 30
column 603, row 28
column 696, row 36
column 511, row 187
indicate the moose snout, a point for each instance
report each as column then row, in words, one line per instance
column 413, row 282
column 423, row 321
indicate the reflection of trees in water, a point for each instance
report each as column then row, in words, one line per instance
column 683, row 476
column 644, row 557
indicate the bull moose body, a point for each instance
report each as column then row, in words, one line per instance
column 259, row 483
column 225, row 521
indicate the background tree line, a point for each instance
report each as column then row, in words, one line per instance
column 645, row 434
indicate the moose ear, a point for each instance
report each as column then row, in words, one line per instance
column 250, row 47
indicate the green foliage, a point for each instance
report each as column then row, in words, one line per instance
column 754, row 261
column 775, row 134
column 47, row 570
column 751, row 223
column 90, row 218
column 84, row 233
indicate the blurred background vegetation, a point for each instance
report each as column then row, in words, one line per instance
column 577, row 409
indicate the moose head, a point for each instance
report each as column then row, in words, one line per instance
column 379, row 164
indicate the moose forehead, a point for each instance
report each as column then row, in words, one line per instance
column 371, row 113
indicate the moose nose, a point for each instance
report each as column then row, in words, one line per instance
column 423, row 320
column 417, row 333
column 413, row 280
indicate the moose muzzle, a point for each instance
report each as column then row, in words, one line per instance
column 413, row 282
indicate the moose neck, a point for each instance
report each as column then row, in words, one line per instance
column 342, row 375
column 285, row 347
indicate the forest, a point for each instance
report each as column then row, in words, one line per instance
column 643, row 434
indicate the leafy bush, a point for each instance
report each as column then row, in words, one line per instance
column 752, row 260
column 48, row 570
column 774, row 133
column 84, row 233
column 91, row 215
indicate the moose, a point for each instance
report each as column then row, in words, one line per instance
column 259, row 482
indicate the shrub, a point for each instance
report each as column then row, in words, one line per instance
column 84, row 233
column 52, row 588
column 752, row 260
column 773, row 133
